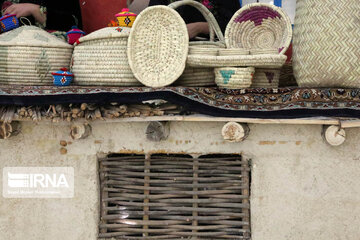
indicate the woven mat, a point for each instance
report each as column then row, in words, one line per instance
column 259, row 103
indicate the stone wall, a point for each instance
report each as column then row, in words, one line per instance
column 301, row 187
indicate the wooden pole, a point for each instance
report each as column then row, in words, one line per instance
column 80, row 131
column 334, row 135
column 158, row 131
column 8, row 130
column 235, row 132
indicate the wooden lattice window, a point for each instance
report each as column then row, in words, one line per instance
column 174, row 197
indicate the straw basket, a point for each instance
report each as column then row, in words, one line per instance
column 158, row 46
column 100, row 59
column 266, row 78
column 234, row 78
column 201, row 76
column 28, row 56
column 327, row 43
column 258, row 26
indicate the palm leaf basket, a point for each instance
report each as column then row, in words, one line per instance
column 193, row 76
column 158, row 46
column 259, row 26
column 327, row 43
column 234, row 77
column 100, row 59
column 28, row 56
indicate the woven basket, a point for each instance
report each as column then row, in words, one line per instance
column 261, row 61
column 100, row 59
column 28, row 56
column 327, row 43
column 201, row 76
column 266, row 78
column 158, row 46
column 257, row 26
column 234, row 78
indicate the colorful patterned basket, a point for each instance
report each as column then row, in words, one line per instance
column 126, row 18
column 28, row 56
column 234, row 77
column 258, row 26
column 74, row 34
column 62, row 77
column 100, row 59
column 266, row 78
column 9, row 22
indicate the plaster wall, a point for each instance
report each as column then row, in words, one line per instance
column 301, row 187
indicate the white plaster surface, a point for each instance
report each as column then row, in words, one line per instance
column 301, row 187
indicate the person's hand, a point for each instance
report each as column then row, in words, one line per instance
column 194, row 29
column 23, row 9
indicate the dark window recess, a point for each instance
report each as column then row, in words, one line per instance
column 174, row 197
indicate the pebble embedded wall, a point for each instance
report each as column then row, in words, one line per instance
column 302, row 188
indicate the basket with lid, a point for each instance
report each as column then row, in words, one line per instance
column 28, row 56
column 126, row 18
column 100, row 58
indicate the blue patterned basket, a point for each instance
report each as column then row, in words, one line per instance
column 62, row 77
column 9, row 22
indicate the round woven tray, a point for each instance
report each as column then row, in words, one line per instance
column 257, row 26
column 158, row 46
column 263, row 61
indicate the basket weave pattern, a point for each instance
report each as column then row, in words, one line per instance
column 327, row 43
column 266, row 78
column 201, row 76
column 258, row 26
column 158, row 46
column 101, row 59
column 233, row 77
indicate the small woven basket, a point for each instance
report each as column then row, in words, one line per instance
column 234, row 78
column 266, row 78
column 201, row 76
column 101, row 59
column 259, row 26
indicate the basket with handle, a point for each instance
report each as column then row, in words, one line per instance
column 326, row 43
column 201, row 76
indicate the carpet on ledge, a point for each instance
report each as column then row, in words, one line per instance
column 282, row 103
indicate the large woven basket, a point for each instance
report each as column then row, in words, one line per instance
column 201, row 76
column 100, row 59
column 259, row 26
column 327, row 43
column 29, row 54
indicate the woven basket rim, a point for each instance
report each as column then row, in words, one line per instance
column 263, row 61
column 110, row 35
column 255, row 5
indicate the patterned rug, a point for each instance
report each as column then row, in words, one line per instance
column 262, row 103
